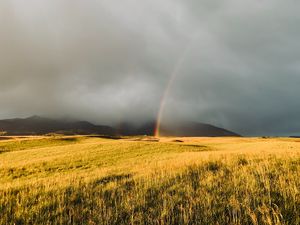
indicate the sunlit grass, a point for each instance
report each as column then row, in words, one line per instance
column 86, row 180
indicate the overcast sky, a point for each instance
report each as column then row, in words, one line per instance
column 108, row 61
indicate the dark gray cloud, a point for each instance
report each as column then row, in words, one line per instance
column 108, row 61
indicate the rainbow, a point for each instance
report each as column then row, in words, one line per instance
column 165, row 95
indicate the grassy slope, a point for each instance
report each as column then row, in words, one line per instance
column 102, row 181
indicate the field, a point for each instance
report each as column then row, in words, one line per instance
column 94, row 180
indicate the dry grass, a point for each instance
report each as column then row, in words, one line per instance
column 83, row 180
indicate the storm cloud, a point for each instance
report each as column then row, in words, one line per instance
column 110, row 61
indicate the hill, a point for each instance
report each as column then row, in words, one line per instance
column 193, row 129
column 179, row 129
column 36, row 125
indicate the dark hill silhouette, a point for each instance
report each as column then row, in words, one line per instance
column 187, row 129
column 193, row 129
column 36, row 125
column 129, row 129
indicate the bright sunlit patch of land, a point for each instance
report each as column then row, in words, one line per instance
column 140, row 180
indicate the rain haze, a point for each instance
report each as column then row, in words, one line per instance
column 234, row 64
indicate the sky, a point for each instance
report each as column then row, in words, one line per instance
column 234, row 64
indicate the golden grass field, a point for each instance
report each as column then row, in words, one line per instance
column 92, row 180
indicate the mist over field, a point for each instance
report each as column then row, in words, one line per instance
column 109, row 61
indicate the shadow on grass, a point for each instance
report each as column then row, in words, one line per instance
column 112, row 178
column 106, row 137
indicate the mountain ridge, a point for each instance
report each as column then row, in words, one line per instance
column 36, row 125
